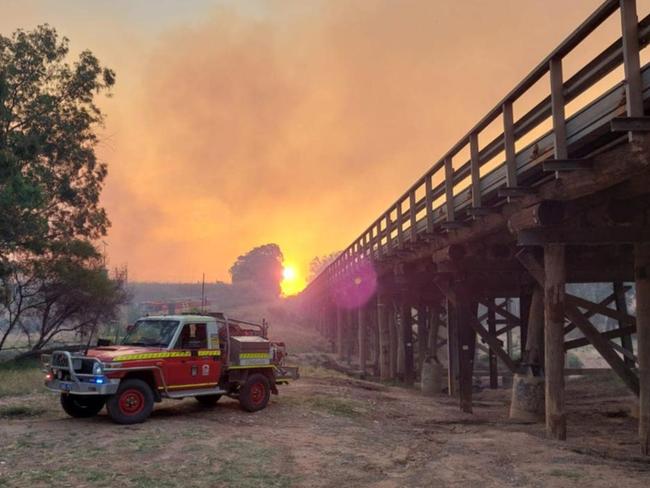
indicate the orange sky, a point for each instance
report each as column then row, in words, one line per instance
column 235, row 123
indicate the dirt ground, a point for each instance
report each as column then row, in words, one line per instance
column 326, row 430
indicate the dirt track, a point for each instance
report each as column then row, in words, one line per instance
column 326, row 430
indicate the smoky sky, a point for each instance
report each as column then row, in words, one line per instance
column 295, row 122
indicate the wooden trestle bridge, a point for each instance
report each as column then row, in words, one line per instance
column 469, row 238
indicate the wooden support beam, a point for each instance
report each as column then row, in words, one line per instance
column 340, row 326
column 533, row 354
column 452, row 348
column 557, row 106
column 492, row 341
column 631, row 58
column 392, row 338
column 610, row 334
column 515, row 191
column 449, row 190
column 621, row 307
column 597, row 308
column 384, row 339
column 642, row 285
column 492, row 356
column 630, row 124
column 423, row 335
column 467, row 344
column 475, row 170
column 428, row 195
column 591, row 236
column 560, row 165
column 554, row 311
column 362, row 327
column 603, row 346
column 509, row 145
column 407, row 331
column 573, row 313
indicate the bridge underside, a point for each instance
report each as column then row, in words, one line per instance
column 456, row 272
column 495, row 284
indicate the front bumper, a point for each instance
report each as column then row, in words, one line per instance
column 63, row 377
column 82, row 387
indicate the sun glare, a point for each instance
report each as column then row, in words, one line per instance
column 292, row 283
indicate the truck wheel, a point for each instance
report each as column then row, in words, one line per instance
column 208, row 400
column 81, row 406
column 132, row 403
column 255, row 393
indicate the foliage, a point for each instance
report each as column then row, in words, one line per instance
column 319, row 263
column 259, row 271
column 50, row 179
column 66, row 289
column 52, row 278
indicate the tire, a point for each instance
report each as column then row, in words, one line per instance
column 255, row 393
column 82, row 406
column 132, row 403
column 208, row 400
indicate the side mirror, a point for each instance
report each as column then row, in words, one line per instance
column 103, row 342
column 129, row 328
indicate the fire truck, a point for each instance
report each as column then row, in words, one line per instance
column 170, row 356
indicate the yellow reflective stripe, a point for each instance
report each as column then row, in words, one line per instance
column 213, row 352
column 187, row 386
column 153, row 355
column 254, row 355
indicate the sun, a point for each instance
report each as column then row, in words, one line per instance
column 292, row 282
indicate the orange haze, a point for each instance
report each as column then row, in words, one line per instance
column 236, row 124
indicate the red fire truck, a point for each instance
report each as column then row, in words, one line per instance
column 170, row 356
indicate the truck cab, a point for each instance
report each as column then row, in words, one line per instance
column 171, row 356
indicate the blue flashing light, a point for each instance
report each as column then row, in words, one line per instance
column 100, row 380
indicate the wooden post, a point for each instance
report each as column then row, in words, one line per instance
column 434, row 327
column 392, row 338
column 631, row 59
column 384, row 339
column 509, row 145
column 554, row 266
column 557, row 105
column 339, row 333
column 642, row 284
column 475, row 170
column 452, row 348
column 407, row 331
column 423, row 336
column 467, row 349
column 363, row 339
column 349, row 336
column 525, row 299
column 621, row 306
column 534, row 350
column 449, row 190
column 492, row 358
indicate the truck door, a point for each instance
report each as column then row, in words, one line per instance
column 196, row 368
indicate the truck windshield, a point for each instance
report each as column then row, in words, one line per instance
column 152, row 333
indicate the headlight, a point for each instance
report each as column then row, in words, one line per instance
column 98, row 369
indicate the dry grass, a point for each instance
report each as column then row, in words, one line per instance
column 20, row 378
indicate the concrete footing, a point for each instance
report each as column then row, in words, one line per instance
column 431, row 382
column 527, row 398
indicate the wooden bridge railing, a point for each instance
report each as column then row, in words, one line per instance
column 432, row 204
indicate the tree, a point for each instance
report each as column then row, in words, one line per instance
column 319, row 263
column 259, row 270
column 50, row 178
column 66, row 290
column 51, row 276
